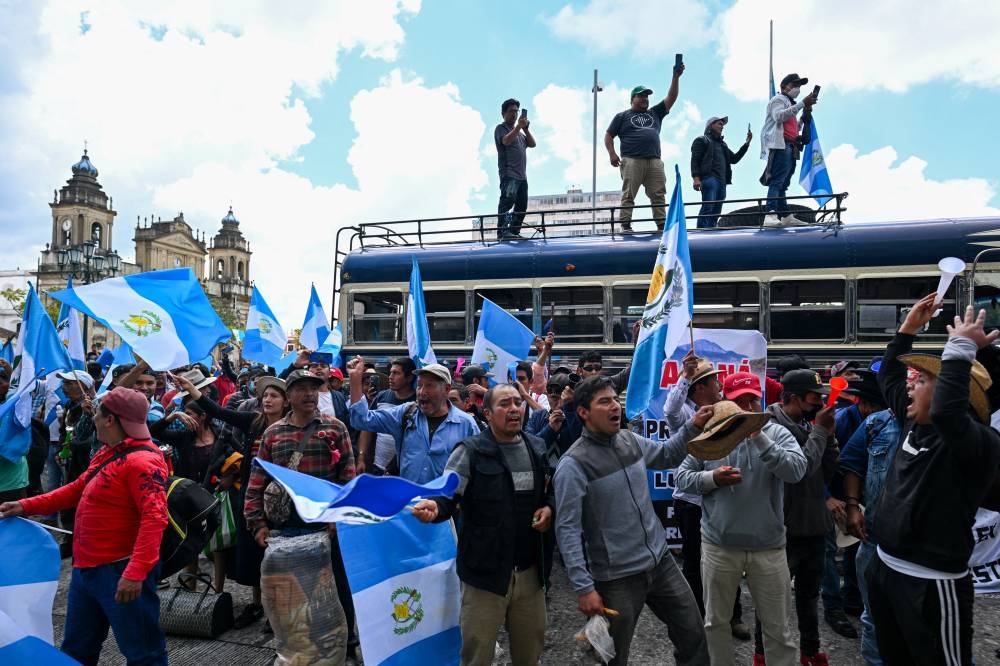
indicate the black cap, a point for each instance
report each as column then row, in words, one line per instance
column 802, row 381
column 867, row 388
column 296, row 376
column 471, row 372
column 793, row 79
column 560, row 380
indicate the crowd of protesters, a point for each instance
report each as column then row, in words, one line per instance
column 551, row 473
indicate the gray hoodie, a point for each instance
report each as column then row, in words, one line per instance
column 602, row 495
column 749, row 515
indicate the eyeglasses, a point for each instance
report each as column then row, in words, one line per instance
column 591, row 368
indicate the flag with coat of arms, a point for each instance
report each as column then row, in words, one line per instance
column 501, row 339
column 264, row 339
column 68, row 327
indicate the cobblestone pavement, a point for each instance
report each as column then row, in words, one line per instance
column 251, row 647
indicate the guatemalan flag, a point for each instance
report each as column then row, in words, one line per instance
column 501, row 338
column 813, row 176
column 264, row 339
column 29, row 575
column 38, row 346
column 316, row 327
column 669, row 308
column 406, row 593
column 68, row 327
column 418, row 333
column 163, row 315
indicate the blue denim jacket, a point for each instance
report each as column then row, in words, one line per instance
column 869, row 453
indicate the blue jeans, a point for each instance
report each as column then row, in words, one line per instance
column 869, row 647
column 91, row 609
column 782, row 166
column 712, row 190
column 833, row 601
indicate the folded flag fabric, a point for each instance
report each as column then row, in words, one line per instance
column 813, row 177
column 163, row 315
column 7, row 352
column 38, row 346
column 68, row 328
column 418, row 333
column 364, row 499
column 316, row 327
column 29, row 575
column 333, row 344
column 15, row 428
column 20, row 647
column 501, row 339
column 264, row 339
column 407, row 596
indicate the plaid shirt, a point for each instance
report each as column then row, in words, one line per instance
column 319, row 458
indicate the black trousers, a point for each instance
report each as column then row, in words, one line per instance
column 920, row 621
column 688, row 518
column 513, row 194
column 806, row 559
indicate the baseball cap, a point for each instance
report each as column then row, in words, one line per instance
column 715, row 119
column 794, row 79
column 559, row 382
column 76, row 376
column 131, row 408
column 640, row 90
column 437, row 371
column 296, row 376
column 803, row 381
column 842, row 366
column 471, row 372
column 740, row 383
column 337, row 374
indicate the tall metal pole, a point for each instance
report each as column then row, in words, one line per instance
column 593, row 182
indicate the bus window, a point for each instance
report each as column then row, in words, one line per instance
column 579, row 312
column 627, row 304
column 377, row 316
column 987, row 295
column 446, row 315
column 727, row 305
column 518, row 302
column 884, row 302
column 808, row 310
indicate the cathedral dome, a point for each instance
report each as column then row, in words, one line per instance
column 85, row 166
column 230, row 218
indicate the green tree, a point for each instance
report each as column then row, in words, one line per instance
column 226, row 312
column 16, row 298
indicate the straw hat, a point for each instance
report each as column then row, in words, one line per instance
column 196, row 377
column 979, row 382
column 728, row 427
column 704, row 369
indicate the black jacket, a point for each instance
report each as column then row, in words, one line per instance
column 940, row 473
column 702, row 157
column 489, row 507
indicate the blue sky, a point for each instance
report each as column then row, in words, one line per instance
column 331, row 113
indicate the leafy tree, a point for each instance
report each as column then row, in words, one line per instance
column 16, row 298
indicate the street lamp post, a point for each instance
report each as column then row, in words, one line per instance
column 83, row 263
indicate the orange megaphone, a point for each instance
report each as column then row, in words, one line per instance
column 837, row 384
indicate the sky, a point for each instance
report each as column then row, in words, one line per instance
column 310, row 116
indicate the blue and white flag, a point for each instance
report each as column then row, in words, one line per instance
column 813, row 176
column 333, row 344
column 418, row 333
column 668, row 311
column 163, row 315
column 38, row 346
column 316, row 326
column 407, row 595
column 122, row 355
column 264, row 339
column 284, row 362
column 29, row 575
column 363, row 499
column 68, row 327
column 501, row 339
column 7, row 352
column 15, row 425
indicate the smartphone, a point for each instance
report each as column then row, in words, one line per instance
column 748, row 128
column 524, row 113
column 372, row 381
column 815, row 93
column 678, row 60
column 321, row 357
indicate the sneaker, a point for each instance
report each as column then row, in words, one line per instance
column 627, row 227
column 792, row 221
column 251, row 613
column 740, row 630
column 818, row 659
column 772, row 220
column 841, row 625
column 758, row 660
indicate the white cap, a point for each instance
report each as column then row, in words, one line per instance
column 77, row 375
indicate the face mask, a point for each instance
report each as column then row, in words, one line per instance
column 794, row 92
column 810, row 414
column 251, row 386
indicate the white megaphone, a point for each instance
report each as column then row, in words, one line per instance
column 949, row 267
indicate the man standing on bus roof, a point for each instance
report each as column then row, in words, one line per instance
column 779, row 146
column 712, row 170
column 638, row 131
column 512, row 139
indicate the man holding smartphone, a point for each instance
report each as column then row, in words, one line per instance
column 638, row 132
column 780, row 147
column 512, row 139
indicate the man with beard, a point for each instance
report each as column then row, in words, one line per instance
column 425, row 431
column 504, row 567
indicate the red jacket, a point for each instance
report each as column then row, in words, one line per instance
column 120, row 514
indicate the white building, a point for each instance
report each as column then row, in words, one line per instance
column 11, row 279
column 573, row 208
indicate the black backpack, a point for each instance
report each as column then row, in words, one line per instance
column 192, row 517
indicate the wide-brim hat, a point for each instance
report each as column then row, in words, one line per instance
column 844, row 538
column 728, row 426
column 704, row 369
column 866, row 388
column 979, row 381
column 196, row 377
column 267, row 381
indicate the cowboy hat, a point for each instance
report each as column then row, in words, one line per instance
column 196, row 377
column 704, row 369
column 728, row 427
column 979, row 381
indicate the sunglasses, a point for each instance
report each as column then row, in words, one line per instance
column 591, row 368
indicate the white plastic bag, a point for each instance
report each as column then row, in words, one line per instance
column 595, row 632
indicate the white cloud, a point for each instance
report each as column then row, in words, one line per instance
column 644, row 28
column 190, row 106
column 882, row 188
column 888, row 45
column 564, row 126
